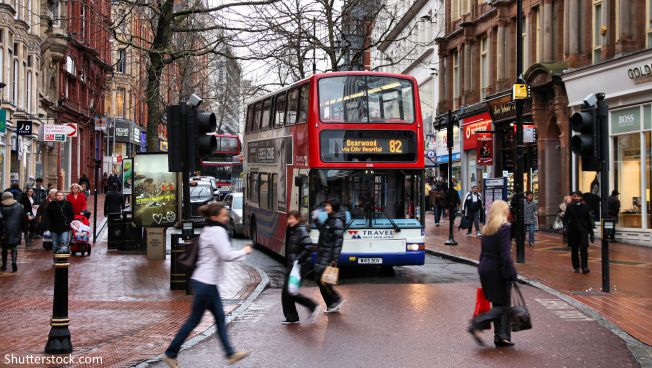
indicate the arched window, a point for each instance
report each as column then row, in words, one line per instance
column 70, row 65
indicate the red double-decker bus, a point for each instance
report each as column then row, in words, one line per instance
column 353, row 136
column 224, row 164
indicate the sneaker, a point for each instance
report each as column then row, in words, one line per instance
column 503, row 343
column 468, row 234
column 172, row 362
column 286, row 322
column 576, row 270
column 237, row 356
column 314, row 314
column 335, row 307
column 437, row 224
column 476, row 336
column 478, row 234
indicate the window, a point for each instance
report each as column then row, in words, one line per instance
column 303, row 103
column 617, row 16
column 272, row 197
column 257, row 112
column 526, row 46
column 366, row 99
column 263, row 193
column 648, row 22
column 82, row 21
column 597, row 35
column 293, row 105
column 628, row 179
column 120, row 102
column 267, row 114
column 536, row 43
column 484, row 66
column 279, row 110
column 14, row 83
column 28, row 92
column 456, row 78
column 70, row 65
column 122, row 61
column 253, row 195
column 250, row 118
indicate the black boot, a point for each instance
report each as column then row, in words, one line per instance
column 14, row 259
column 4, row 260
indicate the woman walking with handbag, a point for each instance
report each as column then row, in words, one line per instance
column 331, row 235
column 214, row 251
column 297, row 248
column 497, row 273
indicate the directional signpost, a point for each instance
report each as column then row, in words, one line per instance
column 59, row 132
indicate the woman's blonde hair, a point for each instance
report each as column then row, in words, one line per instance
column 75, row 185
column 496, row 218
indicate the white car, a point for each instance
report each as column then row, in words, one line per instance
column 234, row 203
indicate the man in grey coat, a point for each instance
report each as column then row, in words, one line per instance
column 530, row 214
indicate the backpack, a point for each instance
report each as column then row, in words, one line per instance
column 188, row 258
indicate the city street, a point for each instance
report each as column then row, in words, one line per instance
column 416, row 318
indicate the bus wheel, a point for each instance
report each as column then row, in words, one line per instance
column 254, row 235
column 387, row 270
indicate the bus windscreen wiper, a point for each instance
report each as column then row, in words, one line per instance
column 398, row 229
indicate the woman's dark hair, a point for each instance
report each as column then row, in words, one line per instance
column 297, row 215
column 335, row 204
column 211, row 209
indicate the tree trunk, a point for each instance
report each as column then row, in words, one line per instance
column 153, row 91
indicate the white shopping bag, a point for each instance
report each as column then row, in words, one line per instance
column 294, row 281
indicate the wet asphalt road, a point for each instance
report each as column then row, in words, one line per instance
column 415, row 318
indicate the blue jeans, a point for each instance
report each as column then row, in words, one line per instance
column 206, row 296
column 530, row 233
column 59, row 239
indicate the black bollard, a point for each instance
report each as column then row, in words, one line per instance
column 59, row 336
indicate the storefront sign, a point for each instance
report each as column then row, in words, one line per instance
column 136, row 136
column 503, row 108
column 23, row 127
column 640, row 71
column 472, row 125
column 625, row 121
column 155, row 191
column 100, row 123
column 484, row 150
column 3, row 121
column 444, row 159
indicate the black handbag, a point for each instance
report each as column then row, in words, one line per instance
column 519, row 315
column 188, row 258
column 465, row 223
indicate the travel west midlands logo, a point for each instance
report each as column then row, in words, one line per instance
column 354, row 234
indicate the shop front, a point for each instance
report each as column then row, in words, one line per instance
column 629, row 96
column 441, row 155
column 477, row 158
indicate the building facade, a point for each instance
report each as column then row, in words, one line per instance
column 227, row 96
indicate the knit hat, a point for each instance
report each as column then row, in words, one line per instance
column 7, row 195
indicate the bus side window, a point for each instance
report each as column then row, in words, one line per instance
column 257, row 112
column 250, row 118
column 263, row 193
column 267, row 114
column 273, row 204
column 303, row 103
column 279, row 110
column 254, row 187
column 293, row 105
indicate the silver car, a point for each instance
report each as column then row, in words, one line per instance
column 234, row 203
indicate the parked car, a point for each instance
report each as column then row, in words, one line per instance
column 234, row 203
column 201, row 193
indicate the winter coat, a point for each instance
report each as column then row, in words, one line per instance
column 613, row 207
column 496, row 268
column 78, row 204
column 40, row 214
column 18, row 194
column 27, row 205
column 452, row 198
column 331, row 236
column 40, row 195
column 113, row 202
column 470, row 207
column 59, row 215
column 529, row 212
column 298, row 245
column 436, row 195
column 13, row 215
column 580, row 224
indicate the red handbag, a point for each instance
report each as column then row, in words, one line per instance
column 482, row 305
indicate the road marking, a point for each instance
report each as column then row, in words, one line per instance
column 563, row 310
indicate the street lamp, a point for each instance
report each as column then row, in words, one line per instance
column 450, row 120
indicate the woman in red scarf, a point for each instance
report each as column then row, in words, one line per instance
column 77, row 199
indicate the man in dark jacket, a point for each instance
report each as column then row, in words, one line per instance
column 13, row 216
column 452, row 201
column 113, row 203
column 40, row 193
column 331, row 236
column 473, row 209
column 580, row 229
column 15, row 190
column 613, row 205
column 84, row 179
column 298, row 247
column 59, row 215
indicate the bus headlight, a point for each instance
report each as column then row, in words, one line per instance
column 413, row 247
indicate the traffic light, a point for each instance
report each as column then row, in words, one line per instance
column 199, row 142
column 176, row 121
column 587, row 143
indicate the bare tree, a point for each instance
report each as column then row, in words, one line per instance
column 176, row 31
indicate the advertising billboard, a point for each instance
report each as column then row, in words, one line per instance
column 154, row 191
column 127, row 175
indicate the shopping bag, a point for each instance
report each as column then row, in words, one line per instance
column 559, row 224
column 482, row 305
column 464, row 223
column 330, row 275
column 294, row 281
column 519, row 315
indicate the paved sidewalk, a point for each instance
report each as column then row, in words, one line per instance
column 120, row 305
column 629, row 304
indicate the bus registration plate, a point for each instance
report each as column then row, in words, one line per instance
column 370, row 261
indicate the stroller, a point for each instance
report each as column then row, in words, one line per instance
column 80, row 237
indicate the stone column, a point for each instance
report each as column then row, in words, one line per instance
column 468, row 73
column 625, row 36
column 547, row 32
column 441, row 79
column 566, row 27
column 500, row 52
column 574, row 36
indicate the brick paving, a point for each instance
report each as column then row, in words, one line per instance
column 120, row 305
column 629, row 305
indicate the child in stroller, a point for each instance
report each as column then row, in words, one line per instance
column 80, row 237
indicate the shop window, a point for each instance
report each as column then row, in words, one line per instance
column 648, row 179
column 627, row 170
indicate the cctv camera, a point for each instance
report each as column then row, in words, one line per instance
column 592, row 99
column 194, row 100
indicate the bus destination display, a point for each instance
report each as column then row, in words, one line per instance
column 365, row 145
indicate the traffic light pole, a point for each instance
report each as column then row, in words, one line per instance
column 518, row 174
column 602, row 114
column 449, row 144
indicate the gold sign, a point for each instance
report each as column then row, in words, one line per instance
column 519, row 91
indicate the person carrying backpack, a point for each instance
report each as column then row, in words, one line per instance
column 214, row 251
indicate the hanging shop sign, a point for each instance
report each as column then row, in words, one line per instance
column 472, row 126
column 3, row 121
column 24, row 127
column 484, row 149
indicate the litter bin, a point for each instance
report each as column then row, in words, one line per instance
column 123, row 233
column 179, row 275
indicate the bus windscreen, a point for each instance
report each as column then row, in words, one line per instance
column 366, row 99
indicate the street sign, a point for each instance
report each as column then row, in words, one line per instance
column 431, row 154
column 68, row 130
column 520, row 91
column 54, row 138
column 24, row 127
